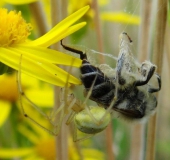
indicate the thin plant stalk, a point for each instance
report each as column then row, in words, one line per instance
column 143, row 40
column 109, row 134
column 40, row 17
column 161, row 19
column 167, row 43
column 37, row 11
column 98, row 29
column 61, row 139
column 137, row 134
column 137, row 142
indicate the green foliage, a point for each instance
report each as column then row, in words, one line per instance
column 3, row 68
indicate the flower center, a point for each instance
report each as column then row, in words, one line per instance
column 13, row 28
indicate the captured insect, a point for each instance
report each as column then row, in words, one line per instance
column 128, row 90
column 86, row 119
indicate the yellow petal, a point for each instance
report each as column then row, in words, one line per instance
column 51, row 39
column 103, row 2
column 55, row 70
column 36, row 69
column 37, row 97
column 69, row 31
column 11, row 153
column 33, row 156
column 8, row 88
column 39, row 93
column 19, row 2
column 39, row 119
column 28, row 134
column 63, row 75
column 120, row 17
column 5, row 108
column 60, row 28
column 46, row 54
column 93, row 154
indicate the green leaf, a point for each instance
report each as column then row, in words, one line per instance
column 3, row 68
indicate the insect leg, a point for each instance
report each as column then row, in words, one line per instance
column 151, row 90
column 81, row 53
column 150, row 74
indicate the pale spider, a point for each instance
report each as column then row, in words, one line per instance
column 127, row 89
column 87, row 119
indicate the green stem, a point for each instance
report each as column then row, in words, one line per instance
column 61, row 140
column 161, row 20
column 40, row 17
column 109, row 134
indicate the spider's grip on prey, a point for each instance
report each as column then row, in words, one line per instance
column 133, row 98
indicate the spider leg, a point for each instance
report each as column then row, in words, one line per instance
column 81, row 53
column 88, row 93
column 76, row 107
column 68, row 101
column 75, row 135
column 57, row 114
column 152, row 90
column 89, row 80
column 22, row 95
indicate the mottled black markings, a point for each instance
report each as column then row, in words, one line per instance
column 131, row 101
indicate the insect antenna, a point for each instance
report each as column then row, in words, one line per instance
column 81, row 53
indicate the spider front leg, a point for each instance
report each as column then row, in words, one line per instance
column 54, row 125
column 88, row 120
column 77, row 110
column 92, row 78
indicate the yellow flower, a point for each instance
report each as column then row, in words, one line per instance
column 120, row 17
column 73, row 7
column 8, row 95
column 19, row 2
column 37, row 60
column 16, row 2
column 8, row 84
column 38, row 141
column 44, row 148
column 41, row 142
column 33, row 88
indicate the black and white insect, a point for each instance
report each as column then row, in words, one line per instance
column 128, row 90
